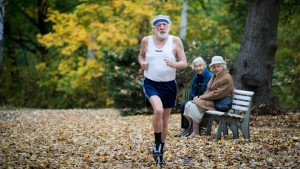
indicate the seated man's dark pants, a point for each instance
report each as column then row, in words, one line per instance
column 184, row 121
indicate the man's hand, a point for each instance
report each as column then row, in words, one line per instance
column 144, row 65
column 170, row 63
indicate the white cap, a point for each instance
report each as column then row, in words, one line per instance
column 217, row 60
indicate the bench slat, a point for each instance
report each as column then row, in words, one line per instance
column 237, row 107
column 241, row 97
column 243, row 92
column 215, row 112
column 236, row 116
column 239, row 102
column 218, row 113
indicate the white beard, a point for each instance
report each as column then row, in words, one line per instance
column 162, row 35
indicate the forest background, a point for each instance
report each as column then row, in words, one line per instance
column 83, row 54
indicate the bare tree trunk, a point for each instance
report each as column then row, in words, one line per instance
column 144, row 28
column 255, row 62
column 183, row 21
column 1, row 35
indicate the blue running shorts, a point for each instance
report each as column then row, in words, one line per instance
column 165, row 90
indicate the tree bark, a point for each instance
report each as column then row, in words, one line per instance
column 144, row 28
column 255, row 61
column 1, row 35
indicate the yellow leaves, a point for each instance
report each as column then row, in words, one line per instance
column 103, row 158
column 117, row 68
column 222, row 141
column 137, row 8
column 41, row 66
column 112, row 24
column 109, row 102
column 81, row 61
column 121, row 155
column 93, row 64
column 78, row 73
column 90, row 68
column 65, row 66
column 46, row 39
column 87, row 156
column 70, row 32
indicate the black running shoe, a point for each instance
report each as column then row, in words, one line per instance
column 157, row 150
column 159, row 160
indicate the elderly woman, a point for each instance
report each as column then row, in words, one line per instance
column 220, row 86
column 198, row 87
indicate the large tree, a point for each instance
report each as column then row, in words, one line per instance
column 1, row 34
column 255, row 62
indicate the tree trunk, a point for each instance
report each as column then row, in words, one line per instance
column 91, row 52
column 1, row 35
column 144, row 28
column 255, row 62
column 183, row 21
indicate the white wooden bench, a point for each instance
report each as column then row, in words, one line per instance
column 239, row 119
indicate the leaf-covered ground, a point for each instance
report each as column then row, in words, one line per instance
column 103, row 139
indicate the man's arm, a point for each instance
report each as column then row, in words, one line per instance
column 179, row 52
column 142, row 54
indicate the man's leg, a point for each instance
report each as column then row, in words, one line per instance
column 166, row 116
column 184, row 121
column 157, row 124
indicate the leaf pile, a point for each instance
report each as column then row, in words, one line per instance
column 82, row 138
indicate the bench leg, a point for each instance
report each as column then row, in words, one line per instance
column 204, row 124
column 233, row 127
column 225, row 130
column 245, row 129
column 209, row 125
column 222, row 128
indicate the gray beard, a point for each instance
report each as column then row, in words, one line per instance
column 165, row 36
column 160, row 36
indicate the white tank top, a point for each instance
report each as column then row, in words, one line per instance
column 157, row 68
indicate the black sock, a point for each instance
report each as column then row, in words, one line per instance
column 157, row 138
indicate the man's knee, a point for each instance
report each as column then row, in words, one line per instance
column 159, row 111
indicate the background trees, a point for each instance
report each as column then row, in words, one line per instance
column 83, row 53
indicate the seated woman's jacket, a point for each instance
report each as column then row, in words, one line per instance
column 199, row 83
column 218, row 87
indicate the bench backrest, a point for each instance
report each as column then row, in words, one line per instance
column 242, row 100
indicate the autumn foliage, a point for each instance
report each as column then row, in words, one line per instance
column 101, row 138
column 68, row 54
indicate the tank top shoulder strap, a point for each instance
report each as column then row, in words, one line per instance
column 170, row 39
column 151, row 42
column 169, row 43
